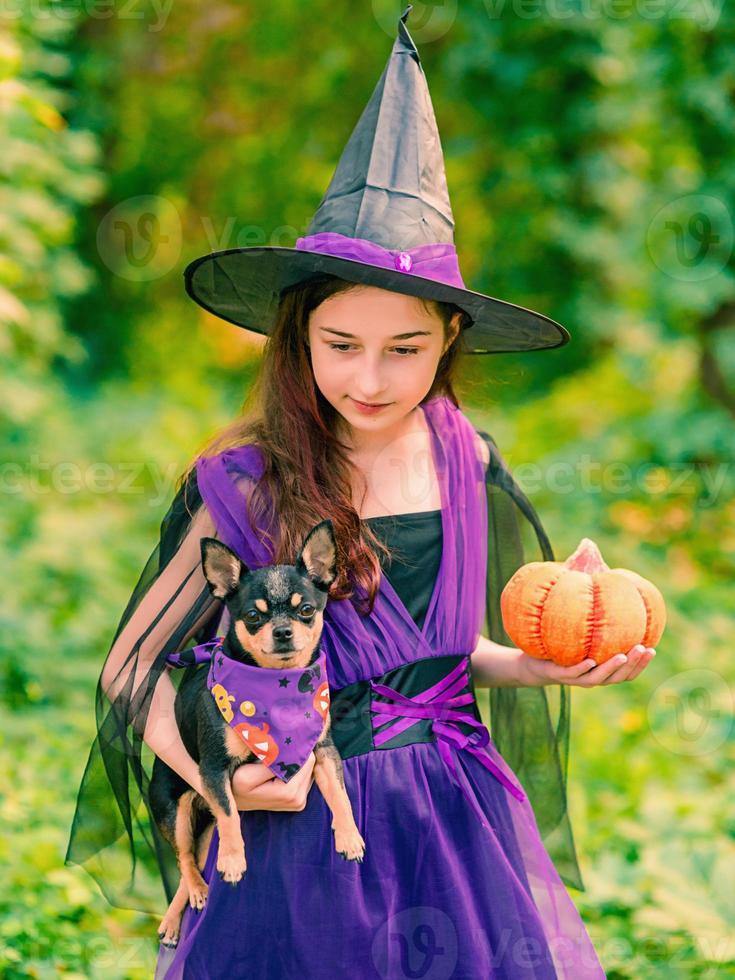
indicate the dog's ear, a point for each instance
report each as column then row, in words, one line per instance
column 318, row 556
column 223, row 570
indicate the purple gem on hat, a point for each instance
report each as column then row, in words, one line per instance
column 403, row 262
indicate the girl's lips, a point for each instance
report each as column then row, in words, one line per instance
column 370, row 409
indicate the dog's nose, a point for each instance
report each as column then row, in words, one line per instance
column 282, row 633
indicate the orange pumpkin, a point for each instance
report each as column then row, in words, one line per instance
column 260, row 743
column 321, row 699
column 569, row 611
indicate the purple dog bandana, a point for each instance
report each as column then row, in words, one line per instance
column 278, row 714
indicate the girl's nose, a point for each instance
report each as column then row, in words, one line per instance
column 370, row 382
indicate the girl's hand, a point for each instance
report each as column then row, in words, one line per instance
column 623, row 667
column 256, row 788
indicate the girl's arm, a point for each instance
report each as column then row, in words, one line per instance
column 495, row 665
column 183, row 579
column 253, row 785
column 157, row 619
column 163, row 737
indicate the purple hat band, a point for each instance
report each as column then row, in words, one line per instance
column 436, row 261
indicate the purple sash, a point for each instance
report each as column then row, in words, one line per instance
column 438, row 702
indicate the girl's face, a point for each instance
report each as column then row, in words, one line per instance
column 373, row 345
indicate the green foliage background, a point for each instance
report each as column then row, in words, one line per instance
column 591, row 166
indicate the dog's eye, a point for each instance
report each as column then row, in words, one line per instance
column 252, row 616
column 307, row 609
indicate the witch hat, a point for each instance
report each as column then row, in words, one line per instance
column 385, row 221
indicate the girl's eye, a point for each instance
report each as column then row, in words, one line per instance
column 404, row 351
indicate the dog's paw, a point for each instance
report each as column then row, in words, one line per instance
column 168, row 929
column 231, row 867
column 198, row 895
column 349, row 844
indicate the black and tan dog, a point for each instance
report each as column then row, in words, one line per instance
column 276, row 619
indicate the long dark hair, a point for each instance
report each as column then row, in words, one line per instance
column 307, row 471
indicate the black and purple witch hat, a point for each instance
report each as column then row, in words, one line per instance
column 385, row 220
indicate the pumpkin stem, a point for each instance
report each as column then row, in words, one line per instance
column 586, row 558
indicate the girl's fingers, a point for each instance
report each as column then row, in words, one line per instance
column 581, row 668
column 638, row 658
column 582, row 674
column 622, row 667
column 645, row 658
column 619, row 673
column 606, row 672
column 566, row 675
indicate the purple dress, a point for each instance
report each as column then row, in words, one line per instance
column 455, row 881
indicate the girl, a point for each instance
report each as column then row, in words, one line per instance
column 436, row 887
column 456, row 880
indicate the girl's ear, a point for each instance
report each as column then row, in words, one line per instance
column 454, row 330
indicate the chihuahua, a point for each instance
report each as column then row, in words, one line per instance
column 276, row 620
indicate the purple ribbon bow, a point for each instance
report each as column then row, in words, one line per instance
column 436, row 260
column 438, row 702
column 200, row 654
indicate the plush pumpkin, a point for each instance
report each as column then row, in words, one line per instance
column 569, row 611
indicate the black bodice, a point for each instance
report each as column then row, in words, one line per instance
column 416, row 542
